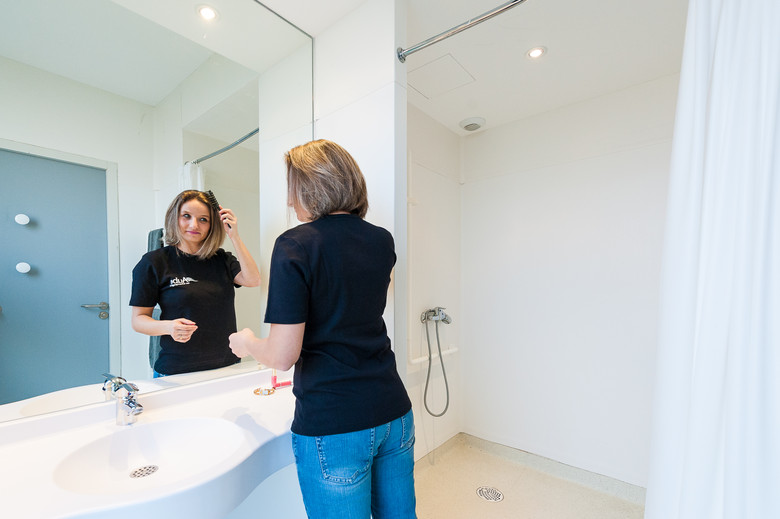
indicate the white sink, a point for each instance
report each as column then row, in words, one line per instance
column 151, row 456
column 197, row 451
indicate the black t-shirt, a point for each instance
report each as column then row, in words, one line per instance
column 333, row 274
column 199, row 290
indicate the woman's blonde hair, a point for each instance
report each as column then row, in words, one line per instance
column 323, row 178
column 214, row 238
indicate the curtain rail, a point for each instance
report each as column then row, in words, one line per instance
column 226, row 148
column 401, row 53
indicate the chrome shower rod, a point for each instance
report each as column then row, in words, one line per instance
column 455, row 30
column 226, row 148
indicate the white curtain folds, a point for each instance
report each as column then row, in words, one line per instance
column 716, row 437
column 191, row 177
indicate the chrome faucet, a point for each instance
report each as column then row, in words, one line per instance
column 111, row 384
column 127, row 407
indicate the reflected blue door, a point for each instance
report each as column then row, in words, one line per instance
column 47, row 340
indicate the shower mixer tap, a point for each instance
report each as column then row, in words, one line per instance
column 435, row 314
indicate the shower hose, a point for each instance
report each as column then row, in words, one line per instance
column 428, row 376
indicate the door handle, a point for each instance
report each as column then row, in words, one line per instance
column 102, row 305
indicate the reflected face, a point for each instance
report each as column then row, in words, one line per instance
column 194, row 225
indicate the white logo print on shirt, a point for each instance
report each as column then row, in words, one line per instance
column 175, row 282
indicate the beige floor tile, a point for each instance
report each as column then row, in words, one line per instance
column 447, row 481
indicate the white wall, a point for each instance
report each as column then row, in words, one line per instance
column 213, row 82
column 361, row 104
column 434, row 235
column 549, row 269
column 356, row 98
column 285, row 123
column 562, row 228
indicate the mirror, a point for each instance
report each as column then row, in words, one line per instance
column 138, row 88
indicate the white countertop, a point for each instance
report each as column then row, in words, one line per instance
column 32, row 449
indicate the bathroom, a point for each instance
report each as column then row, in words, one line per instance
column 507, row 385
column 554, row 324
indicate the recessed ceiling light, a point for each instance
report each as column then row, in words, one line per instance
column 536, row 52
column 207, row 12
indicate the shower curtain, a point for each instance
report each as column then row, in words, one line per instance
column 190, row 177
column 716, row 436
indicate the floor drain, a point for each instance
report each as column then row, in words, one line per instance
column 490, row 494
column 142, row 472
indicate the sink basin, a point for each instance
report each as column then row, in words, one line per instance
column 150, row 456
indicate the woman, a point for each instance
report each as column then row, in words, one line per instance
column 353, row 432
column 193, row 280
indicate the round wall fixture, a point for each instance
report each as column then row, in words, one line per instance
column 22, row 267
column 472, row 123
column 22, row 219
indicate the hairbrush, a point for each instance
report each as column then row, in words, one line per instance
column 214, row 203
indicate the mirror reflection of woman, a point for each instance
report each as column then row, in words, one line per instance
column 193, row 280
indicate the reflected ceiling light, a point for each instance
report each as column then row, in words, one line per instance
column 207, row 12
column 536, row 52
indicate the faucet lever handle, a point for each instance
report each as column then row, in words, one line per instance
column 112, row 384
column 131, row 389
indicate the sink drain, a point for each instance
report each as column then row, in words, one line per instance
column 142, row 472
column 490, row 494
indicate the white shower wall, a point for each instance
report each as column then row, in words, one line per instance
column 562, row 229
column 549, row 230
column 434, row 237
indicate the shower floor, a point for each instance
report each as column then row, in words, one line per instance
column 515, row 484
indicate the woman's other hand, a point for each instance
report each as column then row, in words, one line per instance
column 182, row 329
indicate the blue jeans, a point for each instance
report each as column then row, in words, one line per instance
column 359, row 474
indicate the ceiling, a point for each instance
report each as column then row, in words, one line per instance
column 143, row 49
column 594, row 48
